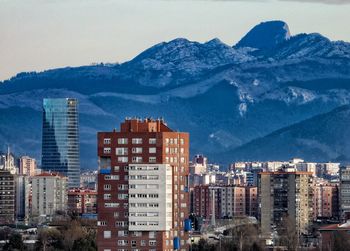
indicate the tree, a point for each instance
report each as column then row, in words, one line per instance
column 72, row 231
column 49, row 239
column 287, row 233
column 243, row 237
column 15, row 243
column 203, row 245
column 85, row 244
column 5, row 233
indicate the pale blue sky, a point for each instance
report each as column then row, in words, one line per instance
column 43, row 34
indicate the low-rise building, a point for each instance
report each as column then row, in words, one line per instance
column 82, row 201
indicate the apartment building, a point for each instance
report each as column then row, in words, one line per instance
column 27, row 166
column 7, row 197
column 325, row 200
column 228, row 201
column 82, row 201
column 49, row 194
column 143, row 195
column 344, row 193
column 285, row 194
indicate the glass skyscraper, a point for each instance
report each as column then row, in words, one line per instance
column 60, row 139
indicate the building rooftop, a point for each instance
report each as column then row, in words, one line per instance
column 337, row 227
column 145, row 125
column 49, row 174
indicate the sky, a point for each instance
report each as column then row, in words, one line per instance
column 36, row 35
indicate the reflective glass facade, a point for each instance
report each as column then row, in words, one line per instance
column 60, row 139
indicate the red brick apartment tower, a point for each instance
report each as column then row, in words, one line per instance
column 143, row 198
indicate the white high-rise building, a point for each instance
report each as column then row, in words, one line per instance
column 49, row 194
column 150, row 197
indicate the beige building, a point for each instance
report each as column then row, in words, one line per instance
column 49, row 194
column 27, row 166
column 285, row 194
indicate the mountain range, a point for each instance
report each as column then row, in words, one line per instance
column 271, row 96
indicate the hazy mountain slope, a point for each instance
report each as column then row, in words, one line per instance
column 324, row 137
column 225, row 96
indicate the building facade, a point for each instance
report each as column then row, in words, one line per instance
column 49, row 194
column 344, row 193
column 326, row 200
column 143, row 198
column 27, row 166
column 82, row 201
column 23, row 191
column 228, row 201
column 7, row 197
column 285, row 194
column 60, row 139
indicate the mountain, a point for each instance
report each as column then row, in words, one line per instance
column 266, row 35
column 225, row 96
column 321, row 138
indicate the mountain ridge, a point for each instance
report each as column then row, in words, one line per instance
column 223, row 95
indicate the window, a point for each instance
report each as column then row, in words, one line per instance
column 123, row 187
column 101, row 223
column 167, row 141
column 153, row 177
column 133, row 243
column 152, row 141
column 123, row 159
column 121, row 223
column 182, row 160
column 122, row 141
column 136, row 159
column 153, row 205
column 152, row 159
column 122, row 242
column 107, row 187
column 107, row 196
column 106, row 150
column 121, row 151
column 137, row 150
column 153, row 195
column 116, row 214
column 137, row 234
column 152, row 242
column 137, row 140
column 107, row 234
column 111, row 177
column 112, row 204
column 116, row 169
column 122, row 196
column 166, row 149
column 152, row 150
column 107, row 141
column 143, row 243
column 182, row 141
